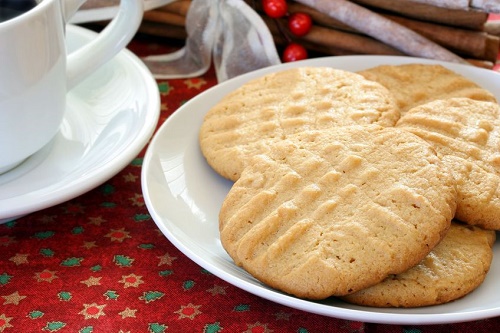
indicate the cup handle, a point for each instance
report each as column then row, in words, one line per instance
column 112, row 39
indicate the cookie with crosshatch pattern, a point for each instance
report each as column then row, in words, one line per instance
column 333, row 212
column 267, row 109
column 415, row 84
column 466, row 136
column 454, row 268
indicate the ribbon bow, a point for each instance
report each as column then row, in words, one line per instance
column 228, row 31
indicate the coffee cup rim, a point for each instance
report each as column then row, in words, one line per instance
column 26, row 15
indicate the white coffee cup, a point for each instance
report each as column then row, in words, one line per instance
column 36, row 73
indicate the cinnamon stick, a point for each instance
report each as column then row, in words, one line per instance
column 453, row 4
column 493, row 48
column 163, row 16
column 470, row 19
column 319, row 17
column 476, row 44
column 163, row 30
column 382, row 29
column 352, row 43
column 488, row 6
column 179, row 7
column 481, row 63
column 318, row 48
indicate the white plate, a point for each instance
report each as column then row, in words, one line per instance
column 87, row 15
column 109, row 118
column 183, row 195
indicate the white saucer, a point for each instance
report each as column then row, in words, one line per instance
column 108, row 12
column 110, row 117
column 184, row 195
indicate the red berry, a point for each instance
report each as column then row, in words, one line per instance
column 294, row 52
column 275, row 8
column 299, row 23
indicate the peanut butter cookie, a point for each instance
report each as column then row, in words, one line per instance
column 416, row 84
column 453, row 269
column 466, row 135
column 268, row 109
column 332, row 212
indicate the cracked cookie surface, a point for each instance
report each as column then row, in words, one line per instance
column 249, row 120
column 328, row 213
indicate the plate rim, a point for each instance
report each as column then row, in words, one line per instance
column 358, row 313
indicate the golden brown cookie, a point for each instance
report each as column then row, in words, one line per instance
column 453, row 269
column 466, row 134
column 416, row 84
column 332, row 212
column 267, row 109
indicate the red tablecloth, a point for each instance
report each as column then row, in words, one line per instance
column 98, row 263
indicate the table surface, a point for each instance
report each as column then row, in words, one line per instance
column 98, row 263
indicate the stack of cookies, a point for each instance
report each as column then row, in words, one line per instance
column 379, row 187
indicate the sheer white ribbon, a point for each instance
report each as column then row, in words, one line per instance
column 228, row 31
